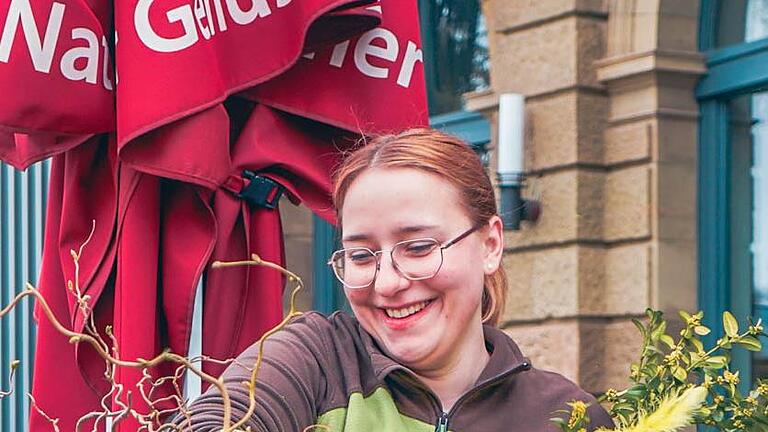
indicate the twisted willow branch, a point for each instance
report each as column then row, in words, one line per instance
column 292, row 313
column 113, row 359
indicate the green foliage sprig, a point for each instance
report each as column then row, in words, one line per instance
column 679, row 382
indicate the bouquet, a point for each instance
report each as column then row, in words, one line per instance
column 677, row 383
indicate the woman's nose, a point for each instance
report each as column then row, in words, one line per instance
column 388, row 281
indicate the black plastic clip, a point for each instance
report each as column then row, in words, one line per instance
column 261, row 191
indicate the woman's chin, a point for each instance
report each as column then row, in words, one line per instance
column 408, row 356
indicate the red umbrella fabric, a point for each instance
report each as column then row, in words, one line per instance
column 204, row 92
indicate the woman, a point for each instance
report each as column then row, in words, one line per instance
column 421, row 267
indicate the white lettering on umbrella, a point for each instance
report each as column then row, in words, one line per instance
column 412, row 55
column 202, row 14
column 220, row 15
column 339, row 52
column 158, row 43
column 390, row 51
column 365, row 48
column 193, row 19
column 259, row 9
column 90, row 53
column 40, row 51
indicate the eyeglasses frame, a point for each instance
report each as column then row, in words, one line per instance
column 377, row 254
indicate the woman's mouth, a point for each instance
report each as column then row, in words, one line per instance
column 407, row 311
column 404, row 317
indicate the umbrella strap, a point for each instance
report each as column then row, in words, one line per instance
column 256, row 190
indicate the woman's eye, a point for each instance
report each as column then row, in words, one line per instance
column 360, row 257
column 419, row 248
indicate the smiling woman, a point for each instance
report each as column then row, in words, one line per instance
column 421, row 265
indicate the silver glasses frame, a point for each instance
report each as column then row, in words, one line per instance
column 377, row 255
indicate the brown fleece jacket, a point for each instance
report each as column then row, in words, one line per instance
column 328, row 370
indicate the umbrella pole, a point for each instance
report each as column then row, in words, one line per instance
column 192, row 382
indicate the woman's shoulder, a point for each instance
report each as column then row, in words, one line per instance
column 556, row 391
column 319, row 333
column 544, row 389
column 316, row 323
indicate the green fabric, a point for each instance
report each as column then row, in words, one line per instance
column 375, row 413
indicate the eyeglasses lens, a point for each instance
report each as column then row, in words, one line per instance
column 414, row 259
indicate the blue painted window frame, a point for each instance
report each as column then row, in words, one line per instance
column 732, row 71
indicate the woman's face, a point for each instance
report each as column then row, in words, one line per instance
column 384, row 206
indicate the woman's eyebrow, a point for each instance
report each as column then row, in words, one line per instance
column 408, row 229
column 416, row 229
column 354, row 237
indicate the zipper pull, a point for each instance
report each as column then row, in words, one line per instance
column 442, row 423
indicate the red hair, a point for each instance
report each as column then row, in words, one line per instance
column 451, row 159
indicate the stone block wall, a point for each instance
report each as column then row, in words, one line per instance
column 611, row 127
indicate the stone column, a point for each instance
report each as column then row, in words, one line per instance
column 650, row 71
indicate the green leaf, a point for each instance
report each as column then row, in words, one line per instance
column 701, row 330
column 679, row 373
column 639, row 326
column 659, row 331
column 638, row 390
column 751, row 343
column 668, row 341
column 651, row 348
column 695, row 357
column 697, row 344
column 684, row 315
column 558, row 421
column 730, row 324
column 716, row 362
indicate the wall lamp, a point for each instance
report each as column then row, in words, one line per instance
column 511, row 176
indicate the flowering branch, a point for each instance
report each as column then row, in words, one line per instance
column 679, row 383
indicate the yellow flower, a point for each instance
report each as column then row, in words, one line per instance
column 730, row 377
column 578, row 411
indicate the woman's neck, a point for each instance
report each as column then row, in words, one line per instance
column 459, row 374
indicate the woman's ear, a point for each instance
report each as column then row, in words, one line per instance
column 494, row 245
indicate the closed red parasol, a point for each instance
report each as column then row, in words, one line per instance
column 215, row 109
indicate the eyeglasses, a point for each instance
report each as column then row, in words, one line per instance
column 415, row 259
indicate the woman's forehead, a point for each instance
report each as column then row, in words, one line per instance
column 382, row 187
column 390, row 201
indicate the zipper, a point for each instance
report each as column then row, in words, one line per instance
column 442, row 423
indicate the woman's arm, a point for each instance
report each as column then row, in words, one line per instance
column 288, row 387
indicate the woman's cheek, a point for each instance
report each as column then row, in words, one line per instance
column 356, row 297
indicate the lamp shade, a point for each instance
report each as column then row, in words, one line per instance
column 511, row 133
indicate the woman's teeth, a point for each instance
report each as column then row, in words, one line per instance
column 408, row 311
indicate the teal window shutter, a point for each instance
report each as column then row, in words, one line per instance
column 22, row 215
